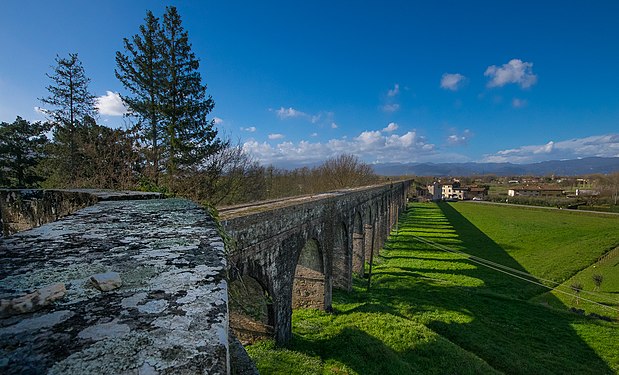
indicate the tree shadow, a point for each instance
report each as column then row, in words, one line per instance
column 367, row 354
column 484, row 312
column 508, row 331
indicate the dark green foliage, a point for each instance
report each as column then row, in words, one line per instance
column 69, row 95
column 109, row 158
column 170, row 101
column 21, row 149
column 72, row 107
column 140, row 69
column 185, row 105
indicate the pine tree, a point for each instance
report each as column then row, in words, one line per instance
column 161, row 73
column 140, row 70
column 72, row 104
column 185, row 105
column 21, row 149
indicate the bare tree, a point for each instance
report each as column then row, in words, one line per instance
column 597, row 280
column 346, row 170
column 227, row 177
column 577, row 288
column 611, row 185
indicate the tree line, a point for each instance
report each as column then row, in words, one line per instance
column 171, row 147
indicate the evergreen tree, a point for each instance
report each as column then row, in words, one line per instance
column 110, row 158
column 185, row 105
column 72, row 103
column 140, row 70
column 21, row 149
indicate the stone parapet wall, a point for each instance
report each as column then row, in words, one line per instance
column 119, row 287
column 23, row 209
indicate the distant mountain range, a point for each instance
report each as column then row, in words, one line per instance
column 573, row 167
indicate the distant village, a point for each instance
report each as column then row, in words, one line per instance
column 536, row 187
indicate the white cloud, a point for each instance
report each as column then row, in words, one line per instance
column 285, row 113
column 218, row 120
column 515, row 71
column 390, row 107
column 456, row 139
column 276, row 136
column 601, row 145
column 369, row 138
column 394, row 91
column 371, row 146
column 519, row 103
column 250, row 129
column 452, row 81
column 314, row 135
column 322, row 118
column 110, row 104
column 391, row 127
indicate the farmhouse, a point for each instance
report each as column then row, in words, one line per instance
column 535, row 191
column 454, row 190
column 435, row 191
column 477, row 192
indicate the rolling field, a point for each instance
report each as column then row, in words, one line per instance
column 436, row 311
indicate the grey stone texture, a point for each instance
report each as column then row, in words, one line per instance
column 268, row 243
column 164, row 311
column 22, row 209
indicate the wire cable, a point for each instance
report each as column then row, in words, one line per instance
column 503, row 269
column 469, row 256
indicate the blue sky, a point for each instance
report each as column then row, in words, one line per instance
column 389, row 81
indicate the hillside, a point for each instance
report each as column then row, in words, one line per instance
column 558, row 167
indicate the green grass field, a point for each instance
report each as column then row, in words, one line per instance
column 435, row 312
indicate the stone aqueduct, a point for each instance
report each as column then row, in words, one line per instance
column 299, row 252
column 167, row 309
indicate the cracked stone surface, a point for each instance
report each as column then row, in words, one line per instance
column 169, row 316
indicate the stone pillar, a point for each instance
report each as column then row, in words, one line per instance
column 367, row 243
column 358, row 253
column 283, row 320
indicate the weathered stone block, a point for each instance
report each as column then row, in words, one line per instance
column 168, row 313
column 106, row 281
column 32, row 301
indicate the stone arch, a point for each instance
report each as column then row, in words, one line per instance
column 251, row 312
column 358, row 253
column 308, row 289
column 342, row 258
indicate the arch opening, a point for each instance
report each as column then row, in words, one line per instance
column 342, row 259
column 308, row 289
column 358, row 251
column 251, row 310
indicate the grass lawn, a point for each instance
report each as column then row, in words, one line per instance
column 430, row 311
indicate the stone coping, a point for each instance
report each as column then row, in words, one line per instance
column 116, row 288
column 100, row 194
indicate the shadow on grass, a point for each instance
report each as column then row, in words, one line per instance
column 482, row 311
column 366, row 354
column 512, row 334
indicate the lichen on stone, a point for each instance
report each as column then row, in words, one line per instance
column 172, row 299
